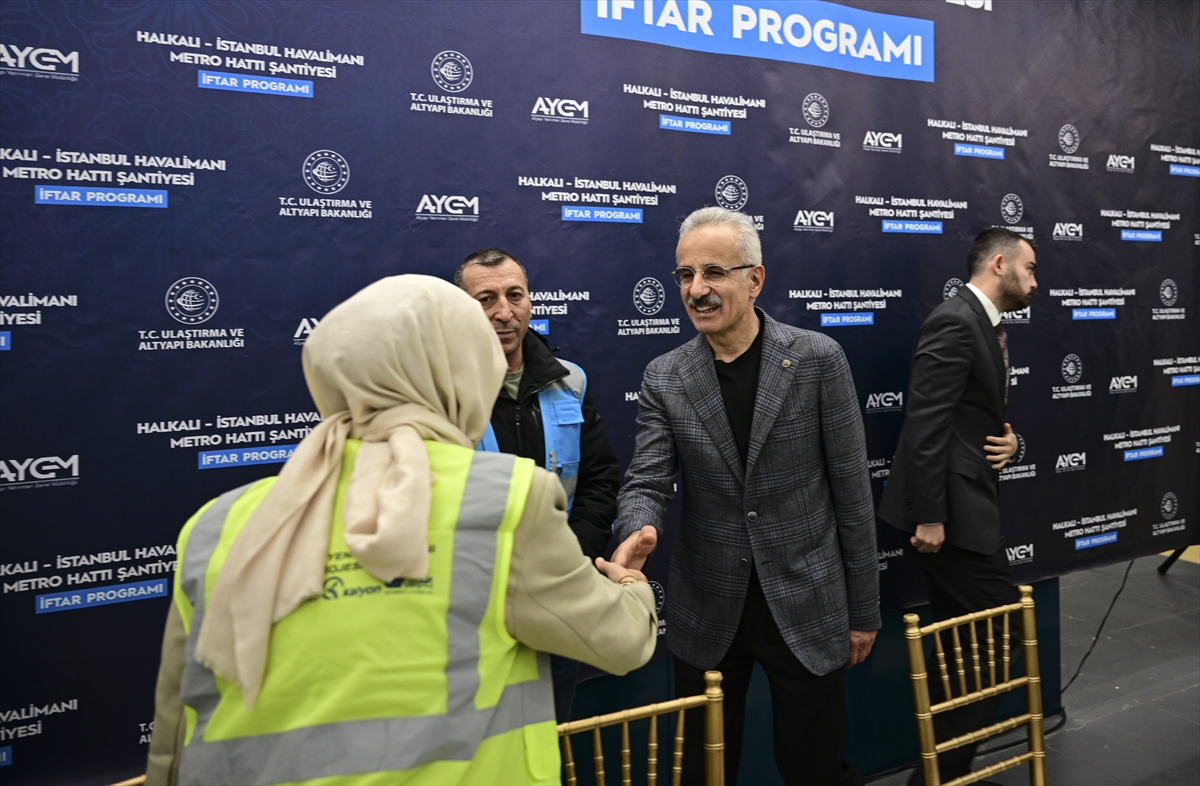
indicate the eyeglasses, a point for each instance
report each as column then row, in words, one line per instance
column 713, row 274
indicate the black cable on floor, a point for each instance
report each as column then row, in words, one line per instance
column 1096, row 638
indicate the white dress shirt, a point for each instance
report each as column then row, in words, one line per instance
column 988, row 306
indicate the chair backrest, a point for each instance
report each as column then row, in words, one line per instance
column 713, row 700
column 1031, row 681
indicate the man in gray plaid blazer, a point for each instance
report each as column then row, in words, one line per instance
column 775, row 560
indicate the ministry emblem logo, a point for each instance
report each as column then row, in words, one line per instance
column 815, row 110
column 1168, row 292
column 649, row 296
column 192, row 300
column 1068, row 138
column 326, row 172
column 660, row 596
column 452, row 71
column 1169, row 505
column 1019, row 456
column 951, row 288
column 1072, row 369
column 1011, row 208
column 732, row 192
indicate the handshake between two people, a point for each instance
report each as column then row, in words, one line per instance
column 928, row 538
column 631, row 556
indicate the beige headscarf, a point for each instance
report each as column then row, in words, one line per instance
column 406, row 359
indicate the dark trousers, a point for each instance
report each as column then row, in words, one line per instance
column 961, row 582
column 563, row 674
column 810, row 722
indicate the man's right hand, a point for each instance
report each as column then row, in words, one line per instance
column 632, row 553
column 928, row 538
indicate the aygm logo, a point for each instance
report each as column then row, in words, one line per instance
column 21, row 472
column 1064, row 231
column 42, row 59
column 1019, row 317
column 1169, row 505
column 815, row 110
column 304, row 330
column 452, row 71
column 192, row 300
column 1068, row 138
column 884, row 402
column 326, row 172
column 813, row 221
column 560, row 110
column 1072, row 368
column 882, row 142
column 732, row 192
column 1120, row 164
column 951, row 288
column 448, row 208
column 1126, row 384
column 649, row 296
column 1071, row 462
column 1018, row 555
column 1011, row 208
column 1168, row 292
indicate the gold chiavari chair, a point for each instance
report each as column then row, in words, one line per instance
column 712, row 700
column 1032, row 682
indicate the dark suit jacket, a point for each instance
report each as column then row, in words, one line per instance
column 800, row 507
column 955, row 401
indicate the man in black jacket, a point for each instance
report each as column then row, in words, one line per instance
column 545, row 413
column 943, row 486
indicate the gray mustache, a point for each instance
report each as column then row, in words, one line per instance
column 710, row 299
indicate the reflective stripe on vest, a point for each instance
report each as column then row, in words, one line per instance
column 198, row 687
column 387, row 744
column 561, row 404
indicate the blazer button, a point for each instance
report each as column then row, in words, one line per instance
column 751, row 516
column 745, row 563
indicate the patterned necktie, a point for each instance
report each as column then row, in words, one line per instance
column 1002, row 337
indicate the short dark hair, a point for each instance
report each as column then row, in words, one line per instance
column 488, row 257
column 990, row 242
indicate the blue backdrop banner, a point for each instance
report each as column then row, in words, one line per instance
column 248, row 165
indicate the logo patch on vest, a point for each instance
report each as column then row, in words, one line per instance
column 336, row 587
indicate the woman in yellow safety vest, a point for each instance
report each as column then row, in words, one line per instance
column 379, row 613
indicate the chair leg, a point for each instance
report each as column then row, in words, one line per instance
column 1033, row 689
column 1175, row 555
column 714, row 730
column 920, row 688
column 569, row 761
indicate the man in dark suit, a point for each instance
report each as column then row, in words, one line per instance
column 943, row 484
column 775, row 560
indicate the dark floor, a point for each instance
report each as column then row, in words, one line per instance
column 1133, row 715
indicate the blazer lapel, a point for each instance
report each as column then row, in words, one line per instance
column 989, row 337
column 774, row 379
column 700, row 384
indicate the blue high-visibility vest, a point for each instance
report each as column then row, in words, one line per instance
column 561, row 403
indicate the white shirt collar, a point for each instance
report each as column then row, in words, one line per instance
column 988, row 306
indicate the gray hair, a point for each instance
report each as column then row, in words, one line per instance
column 749, row 248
